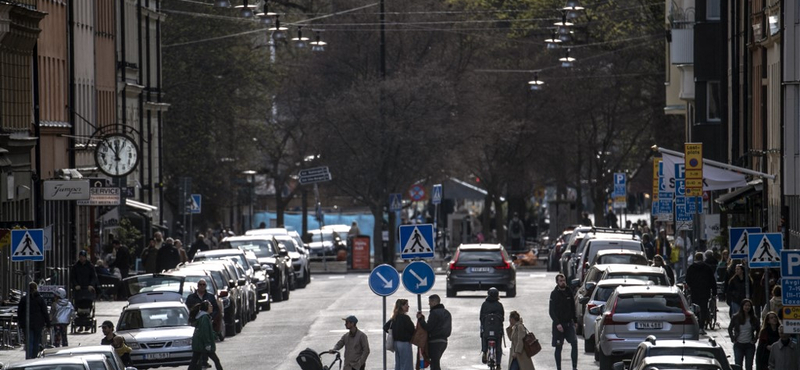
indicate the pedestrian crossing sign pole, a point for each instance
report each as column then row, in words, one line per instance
column 27, row 245
column 416, row 241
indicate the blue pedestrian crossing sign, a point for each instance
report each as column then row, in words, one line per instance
column 195, row 203
column 27, row 245
column 765, row 249
column 395, row 202
column 737, row 240
column 418, row 277
column 437, row 194
column 416, row 241
column 384, row 280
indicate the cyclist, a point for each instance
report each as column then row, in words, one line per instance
column 491, row 317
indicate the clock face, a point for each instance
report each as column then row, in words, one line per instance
column 117, row 155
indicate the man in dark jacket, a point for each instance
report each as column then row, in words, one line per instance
column 39, row 318
column 562, row 312
column 122, row 261
column 703, row 286
column 492, row 316
column 168, row 256
column 202, row 294
column 83, row 275
column 438, row 326
column 198, row 245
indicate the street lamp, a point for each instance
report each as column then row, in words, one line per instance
column 535, row 84
column 250, row 180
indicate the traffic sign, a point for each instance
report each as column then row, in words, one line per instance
column 395, row 202
column 417, row 192
column 737, row 240
column 418, row 277
column 417, row 241
column 693, row 155
column 765, row 249
column 384, row 280
column 195, row 203
column 316, row 174
column 437, row 194
column 620, row 178
column 790, row 263
column 27, row 245
column 790, row 292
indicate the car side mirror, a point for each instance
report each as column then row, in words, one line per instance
column 590, row 286
column 597, row 310
column 575, row 282
column 584, row 300
column 256, row 267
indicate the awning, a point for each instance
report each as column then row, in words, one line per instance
column 140, row 206
column 752, row 187
column 714, row 178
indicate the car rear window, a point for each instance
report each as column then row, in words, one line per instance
column 668, row 303
column 47, row 367
column 479, row 256
column 153, row 318
column 658, row 279
column 682, row 351
column 626, row 259
column 604, row 292
column 261, row 248
column 288, row 244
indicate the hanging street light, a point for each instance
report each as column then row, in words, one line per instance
column 300, row 41
column 567, row 61
column 535, row 84
column 573, row 9
column 318, row 44
column 553, row 42
column 246, row 9
column 222, row 3
column 278, row 32
column 265, row 16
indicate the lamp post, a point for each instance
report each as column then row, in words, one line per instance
column 251, row 181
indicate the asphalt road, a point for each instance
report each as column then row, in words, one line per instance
column 312, row 318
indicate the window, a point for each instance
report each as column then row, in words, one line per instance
column 713, row 102
column 712, row 9
column 649, row 303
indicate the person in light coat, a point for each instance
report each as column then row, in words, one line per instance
column 61, row 314
column 784, row 355
column 518, row 359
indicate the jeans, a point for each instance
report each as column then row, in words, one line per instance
column 567, row 336
column 403, row 356
column 60, row 335
column 436, row 350
column 746, row 352
column 702, row 302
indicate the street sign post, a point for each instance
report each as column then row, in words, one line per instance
column 384, row 280
column 27, row 245
column 416, row 241
column 314, row 175
column 418, row 277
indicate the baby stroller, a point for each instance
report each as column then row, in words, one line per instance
column 310, row 360
column 83, row 301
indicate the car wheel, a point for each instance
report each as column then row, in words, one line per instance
column 512, row 292
column 308, row 276
column 606, row 362
column 304, row 281
column 293, row 282
column 588, row 345
column 239, row 323
column 230, row 330
column 267, row 305
column 451, row 292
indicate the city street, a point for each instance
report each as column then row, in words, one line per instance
column 312, row 318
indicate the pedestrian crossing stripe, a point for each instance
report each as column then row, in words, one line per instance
column 27, row 245
column 741, row 245
column 417, row 243
column 765, row 252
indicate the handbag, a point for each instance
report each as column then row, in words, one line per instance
column 531, row 344
column 390, row 339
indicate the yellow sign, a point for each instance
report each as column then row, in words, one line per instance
column 694, row 158
column 694, row 183
column 791, row 312
column 694, row 192
column 656, row 161
column 694, row 174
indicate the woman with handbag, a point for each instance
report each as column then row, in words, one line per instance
column 400, row 328
column 519, row 359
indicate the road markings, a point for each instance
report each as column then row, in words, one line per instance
column 540, row 275
column 335, row 277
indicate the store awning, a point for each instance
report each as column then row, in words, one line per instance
column 140, row 206
column 753, row 187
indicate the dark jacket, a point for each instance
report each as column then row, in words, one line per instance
column 150, row 259
column 122, row 261
column 649, row 249
column 735, row 327
column 562, row 306
column 492, row 306
column 39, row 316
column 195, row 298
column 83, row 274
column 700, row 278
column 670, row 273
column 736, row 290
column 168, row 258
column 439, row 324
column 402, row 328
column 197, row 246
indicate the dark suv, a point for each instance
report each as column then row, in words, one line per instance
column 273, row 259
column 480, row 267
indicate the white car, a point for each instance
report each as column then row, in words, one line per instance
column 107, row 351
column 299, row 259
column 84, row 362
column 599, row 296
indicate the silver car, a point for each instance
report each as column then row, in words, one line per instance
column 299, row 259
column 87, row 362
column 158, row 333
column 598, row 296
column 106, row 351
column 679, row 363
column 634, row 312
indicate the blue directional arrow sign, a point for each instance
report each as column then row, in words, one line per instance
column 27, row 245
column 765, row 249
column 418, row 277
column 737, row 240
column 437, row 194
column 384, row 280
column 416, row 241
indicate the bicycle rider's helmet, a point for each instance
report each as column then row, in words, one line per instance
column 493, row 292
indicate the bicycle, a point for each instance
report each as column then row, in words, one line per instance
column 491, row 354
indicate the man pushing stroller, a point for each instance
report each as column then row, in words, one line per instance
column 83, row 281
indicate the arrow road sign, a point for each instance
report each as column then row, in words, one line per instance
column 418, row 277
column 27, row 245
column 417, row 241
column 384, row 280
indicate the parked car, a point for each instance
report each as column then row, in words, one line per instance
column 86, row 362
column 272, row 259
column 634, row 312
column 620, row 257
column 598, row 296
column 300, row 266
column 107, row 351
column 244, row 269
column 556, row 250
column 228, row 284
column 605, row 241
column 261, row 281
column 480, row 267
column 585, row 289
column 652, row 347
column 572, row 251
column 324, row 242
column 679, row 362
column 648, row 273
column 191, row 278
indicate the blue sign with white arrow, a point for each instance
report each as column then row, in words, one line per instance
column 418, row 277
column 384, row 280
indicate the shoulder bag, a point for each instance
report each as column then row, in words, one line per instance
column 390, row 339
column 531, row 344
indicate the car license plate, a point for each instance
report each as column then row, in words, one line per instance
column 479, row 269
column 649, row 325
column 156, row 356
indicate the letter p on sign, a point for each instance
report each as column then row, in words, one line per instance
column 790, row 263
column 794, row 263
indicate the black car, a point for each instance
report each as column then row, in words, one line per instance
column 480, row 267
column 273, row 259
column 229, row 289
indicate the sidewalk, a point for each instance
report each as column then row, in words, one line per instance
column 720, row 333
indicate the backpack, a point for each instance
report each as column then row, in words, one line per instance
column 516, row 228
column 493, row 325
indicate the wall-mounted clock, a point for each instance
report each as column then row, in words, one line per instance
column 116, row 155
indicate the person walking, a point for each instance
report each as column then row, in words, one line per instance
column 61, row 314
column 149, row 257
column 122, row 261
column 516, row 233
column 202, row 294
column 735, row 292
column 518, row 359
column 402, row 331
column 181, row 251
column 679, row 252
column 83, row 275
column 766, row 337
column 439, row 326
column 785, row 354
column 658, row 261
column 649, row 248
column 355, row 344
column 743, row 330
column 168, row 256
column 39, row 319
column 562, row 312
column 198, row 245
column 491, row 318
column 775, row 304
column 703, row 286
column 203, row 339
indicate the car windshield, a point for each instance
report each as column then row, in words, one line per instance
column 262, row 248
column 625, row 259
column 96, row 364
column 658, row 279
column 669, row 303
column 479, row 256
column 147, row 318
column 327, row 235
column 287, row 244
column 156, row 283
